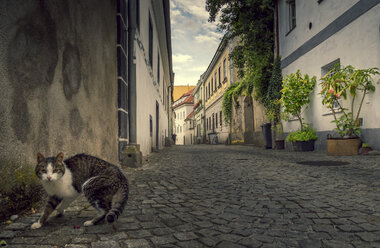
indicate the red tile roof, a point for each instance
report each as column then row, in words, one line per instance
column 190, row 115
column 188, row 100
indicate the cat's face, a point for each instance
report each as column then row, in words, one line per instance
column 50, row 169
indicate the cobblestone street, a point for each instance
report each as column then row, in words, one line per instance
column 228, row 196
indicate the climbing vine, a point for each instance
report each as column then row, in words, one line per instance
column 249, row 26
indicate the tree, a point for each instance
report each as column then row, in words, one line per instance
column 252, row 22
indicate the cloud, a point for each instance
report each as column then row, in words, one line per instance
column 181, row 58
column 206, row 38
column 194, row 40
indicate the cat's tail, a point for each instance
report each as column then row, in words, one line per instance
column 118, row 202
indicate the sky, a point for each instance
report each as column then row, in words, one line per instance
column 194, row 40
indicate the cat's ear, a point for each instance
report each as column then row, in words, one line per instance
column 59, row 157
column 40, row 158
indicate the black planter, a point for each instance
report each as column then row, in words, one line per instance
column 267, row 132
column 303, row 146
column 280, row 144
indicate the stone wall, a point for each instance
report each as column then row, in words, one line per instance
column 58, row 78
column 247, row 117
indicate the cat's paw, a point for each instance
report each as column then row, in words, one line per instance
column 88, row 223
column 36, row 225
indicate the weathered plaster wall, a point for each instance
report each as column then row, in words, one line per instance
column 58, row 78
column 247, row 118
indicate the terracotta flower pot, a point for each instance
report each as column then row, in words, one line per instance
column 343, row 147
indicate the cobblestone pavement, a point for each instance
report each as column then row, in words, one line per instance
column 228, row 196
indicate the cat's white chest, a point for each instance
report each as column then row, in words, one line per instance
column 62, row 188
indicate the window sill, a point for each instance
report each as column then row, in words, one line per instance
column 290, row 30
column 331, row 113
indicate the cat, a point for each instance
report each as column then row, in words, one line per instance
column 103, row 184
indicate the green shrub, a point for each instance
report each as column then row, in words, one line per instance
column 306, row 134
column 20, row 188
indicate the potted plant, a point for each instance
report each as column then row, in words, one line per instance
column 302, row 140
column 295, row 95
column 348, row 84
column 366, row 148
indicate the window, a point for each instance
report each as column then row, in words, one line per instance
column 206, row 93
column 220, row 118
column 206, row 124
column 213, row 122
column 150, row 41
column 216, row 120
column 151, row 125
column 292, row 14
column 208, row 90
column 220, row 83
column 325, row 70
column 158, row 68
column 224, row 68
column 212, row 86
column 215, row 80
column 138, row 14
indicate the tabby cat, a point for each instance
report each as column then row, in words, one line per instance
column 103, row 184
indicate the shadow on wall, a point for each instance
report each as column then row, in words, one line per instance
column 32, row 59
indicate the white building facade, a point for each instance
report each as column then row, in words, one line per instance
column 151, row 75
column 314, row 36
column 181, row 109
column 199, row 113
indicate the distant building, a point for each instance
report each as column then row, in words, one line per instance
column 314, row 36
column 179, row 90
column 181, row 109
column 199, row 131
column 189, row 128
column 215, row 81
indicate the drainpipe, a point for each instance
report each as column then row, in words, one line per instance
column 170, row 116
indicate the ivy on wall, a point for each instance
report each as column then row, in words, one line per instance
column 251, row 23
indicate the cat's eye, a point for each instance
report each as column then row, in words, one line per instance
column 56, row 170
column 43, row 171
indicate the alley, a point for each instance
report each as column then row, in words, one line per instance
column 229, row 196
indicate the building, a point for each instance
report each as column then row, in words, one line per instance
column 151, row 75
column 314, row 36
column 181, row 109
column 89, row 76
column 179, row 90
column 199, row 114
column 189, row 128
column 215, row 81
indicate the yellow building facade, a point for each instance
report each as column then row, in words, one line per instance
column 216, row 80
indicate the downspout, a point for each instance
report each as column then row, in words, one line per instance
column 276, row 41
column 204, row 112
column 170, row 119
